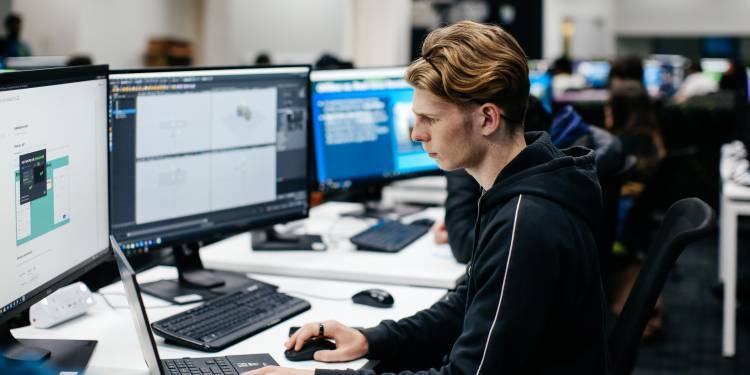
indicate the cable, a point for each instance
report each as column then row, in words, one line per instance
column 114, row 307
column 315, row 295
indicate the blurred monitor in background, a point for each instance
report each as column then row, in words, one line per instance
column 714, row 68
column 595, row 72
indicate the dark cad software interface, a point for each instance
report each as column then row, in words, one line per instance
column 192, row 151
column 362, row 121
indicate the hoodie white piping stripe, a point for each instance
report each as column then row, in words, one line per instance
column 502, row 289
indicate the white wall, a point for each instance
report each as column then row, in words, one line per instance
column 291, row 30
column 682, row 17
column 381, row 32
column 111, row 31
column 369, row 32
column 594, row 36
column 4, row 9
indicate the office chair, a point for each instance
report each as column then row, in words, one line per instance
column 685, row 221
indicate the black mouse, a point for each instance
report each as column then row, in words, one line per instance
column 309, row 349
column 424, row 222
column 374, row 297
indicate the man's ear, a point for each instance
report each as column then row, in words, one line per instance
column 490, row 119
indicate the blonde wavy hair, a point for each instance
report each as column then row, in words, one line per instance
column 470, row 62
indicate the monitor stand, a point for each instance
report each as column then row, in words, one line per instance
column 196, row 283
column 269, row 239
column 57, row 355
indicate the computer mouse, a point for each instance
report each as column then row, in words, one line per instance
column 308, row 350
column 374, row 297
column 425, row 222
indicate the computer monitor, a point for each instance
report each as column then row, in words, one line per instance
column 541, row 87
column 714, row 68
column 595, row 72
column 663, row 74
column 362, row 122
column 35, row 62
column 53, row 136
column 199, row 154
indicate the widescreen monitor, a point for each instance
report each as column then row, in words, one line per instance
column 663, row 74
column 595, row 72
column 714, row 68
column 362, row 123
column 53, row 137
column 199, row 154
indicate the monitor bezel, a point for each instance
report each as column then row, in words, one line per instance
column 365, row 181
column 27, row 79
column 239, row 226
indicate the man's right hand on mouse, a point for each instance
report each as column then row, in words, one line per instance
column 351, row 344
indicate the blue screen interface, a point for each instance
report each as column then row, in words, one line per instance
column 362, row 121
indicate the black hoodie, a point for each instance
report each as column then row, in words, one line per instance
column 532, row 302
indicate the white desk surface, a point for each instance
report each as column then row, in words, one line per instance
column 118, row 351
column 423, row 263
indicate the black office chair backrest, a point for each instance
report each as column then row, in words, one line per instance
column 685, row 221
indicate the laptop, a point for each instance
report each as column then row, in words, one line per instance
column 231, row 364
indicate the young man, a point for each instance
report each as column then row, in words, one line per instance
column 532, row 299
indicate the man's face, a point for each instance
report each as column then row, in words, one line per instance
column 447, row 131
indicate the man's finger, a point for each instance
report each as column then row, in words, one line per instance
column 303, row 334
column 337, row 355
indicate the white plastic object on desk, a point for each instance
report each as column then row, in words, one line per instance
column 64, row 304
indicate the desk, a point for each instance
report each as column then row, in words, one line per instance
column 423, row 263
column 735, row 201
column 118, row 351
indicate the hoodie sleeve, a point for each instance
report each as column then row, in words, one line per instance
column 515, row 277
column 425, row 337
column 460, row 213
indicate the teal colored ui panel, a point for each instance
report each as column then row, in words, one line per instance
column 38, row 216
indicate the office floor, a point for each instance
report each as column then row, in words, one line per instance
column 691, row 343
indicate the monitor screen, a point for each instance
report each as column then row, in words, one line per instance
column 362, row 122
column 747, row 76
column 53, row 136
column 663, row 74
column 541, row 87
column 714, row 68
column 201, row 153
column 595, row 72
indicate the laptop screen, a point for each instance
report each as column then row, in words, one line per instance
column 142, row 325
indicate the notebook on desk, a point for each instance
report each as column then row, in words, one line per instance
column 231, row 364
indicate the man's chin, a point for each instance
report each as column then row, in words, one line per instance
column 447, row 167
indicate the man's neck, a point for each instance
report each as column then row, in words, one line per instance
column 498, row 156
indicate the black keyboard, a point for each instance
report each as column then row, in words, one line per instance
column 223, row 321
column 229, row 365
column 389, row 236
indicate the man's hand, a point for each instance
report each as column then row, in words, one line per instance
column 350, row 343
column 276, row 370
column 439, row 232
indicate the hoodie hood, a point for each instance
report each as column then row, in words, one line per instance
column 567, row 177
